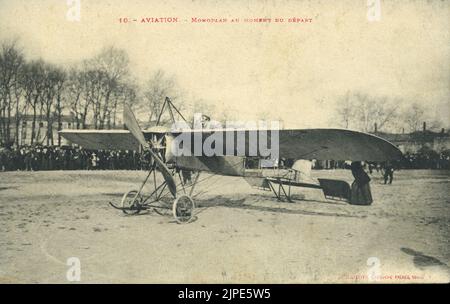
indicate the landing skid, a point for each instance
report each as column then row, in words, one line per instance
column 332, row 189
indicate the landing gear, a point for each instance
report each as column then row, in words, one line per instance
column 164, row 186
column 183, row 209
column 160, row 200
column 132, row 202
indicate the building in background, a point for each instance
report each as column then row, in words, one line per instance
column 417, row 141
column 26, row 126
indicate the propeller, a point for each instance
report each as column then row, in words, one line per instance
column 133, row 127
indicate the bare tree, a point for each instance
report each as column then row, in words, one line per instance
column 11, row 61
column 19, row 102
column 380, row 111
column 59, row 88
column 361, row 111
column 77, row 95
column 414, row 116
column 345, row 111
column 52, row 81
column 125, row 93
column 157, row 89
column 95, row 93
column 33, row 89
column 110, row 71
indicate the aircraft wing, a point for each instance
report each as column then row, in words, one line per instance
column 336, row 144
column 321, row 144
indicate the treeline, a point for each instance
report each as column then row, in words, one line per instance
column 370, row 113
column 91, row 91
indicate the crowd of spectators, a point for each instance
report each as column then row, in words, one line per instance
column 36, row 158
column 429, row 160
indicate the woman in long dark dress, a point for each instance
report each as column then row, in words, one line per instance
column 361, row 194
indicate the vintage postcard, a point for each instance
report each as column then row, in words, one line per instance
column 254, row 141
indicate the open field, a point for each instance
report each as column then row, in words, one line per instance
column 240, row 235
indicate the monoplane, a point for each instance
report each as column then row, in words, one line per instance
column 173, row 194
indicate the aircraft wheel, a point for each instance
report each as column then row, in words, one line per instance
column 183, row 209
column 133, row 206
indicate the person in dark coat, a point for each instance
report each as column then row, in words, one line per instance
column 3, row 159
column 360, row 193
column 187, row 177
column 28, row 159
column 388, row 173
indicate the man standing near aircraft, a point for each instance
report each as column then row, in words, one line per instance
column 388, row 172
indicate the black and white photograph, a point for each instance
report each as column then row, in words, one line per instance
column 224, row 142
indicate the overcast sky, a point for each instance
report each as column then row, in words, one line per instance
column 291, row 71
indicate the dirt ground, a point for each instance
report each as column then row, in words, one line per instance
column 240, row 234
